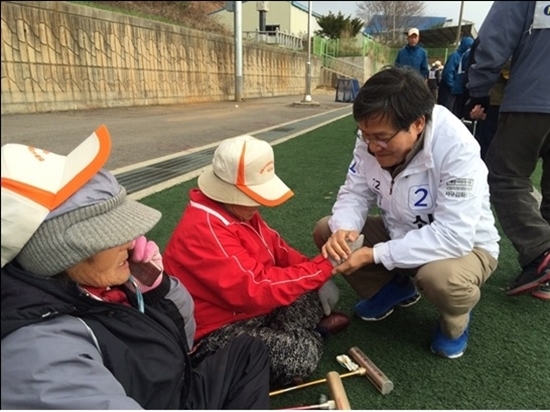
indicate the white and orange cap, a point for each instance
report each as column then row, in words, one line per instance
column 36, row 181
column 243, row 173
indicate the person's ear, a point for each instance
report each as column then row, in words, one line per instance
column 419, row 125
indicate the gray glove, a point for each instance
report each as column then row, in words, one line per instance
column 328, row 295
column 358, row 243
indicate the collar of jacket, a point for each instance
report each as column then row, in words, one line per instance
column 199, row 200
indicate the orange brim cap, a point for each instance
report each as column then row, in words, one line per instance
column 35, row 182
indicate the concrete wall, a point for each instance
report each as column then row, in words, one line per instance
column 60, row 56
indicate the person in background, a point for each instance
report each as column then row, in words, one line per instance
column 519, row 30
column 435, row 235
column 244, row 278
column 89, row 318
column 451, row 78
column 486, row 127
column 413, row 54
column 434, row 77
column 459, row 90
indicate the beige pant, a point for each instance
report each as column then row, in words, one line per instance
column 451, row 285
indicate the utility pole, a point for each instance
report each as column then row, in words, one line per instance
column 307, row 101
column 459, row 22
column 238, row 51
column 307, row 97
column 393, row 31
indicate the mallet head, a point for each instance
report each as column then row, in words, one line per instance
column 375, row 375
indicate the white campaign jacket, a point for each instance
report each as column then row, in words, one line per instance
column 437, row 208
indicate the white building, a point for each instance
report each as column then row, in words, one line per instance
column 285, row 16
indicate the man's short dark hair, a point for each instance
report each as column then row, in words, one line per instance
column 399, row 94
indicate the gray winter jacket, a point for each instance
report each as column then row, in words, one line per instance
column 64, row 350
column 520, row 29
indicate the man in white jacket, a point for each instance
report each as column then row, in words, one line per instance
column 435, row 235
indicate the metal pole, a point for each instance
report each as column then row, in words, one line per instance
column 393, row 30
column 238, row 52
column 262, row 20
column 459, row 22
column 307, row 97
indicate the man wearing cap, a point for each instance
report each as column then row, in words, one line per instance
column 244, row 278
column 80, row 328
column 413, row 55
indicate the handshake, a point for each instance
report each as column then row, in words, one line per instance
column 329, row 292
column 356, row 244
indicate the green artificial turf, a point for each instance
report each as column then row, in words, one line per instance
column 507, row 364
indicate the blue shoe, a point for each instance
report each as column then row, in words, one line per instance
column 447, row 347
column 400, row 291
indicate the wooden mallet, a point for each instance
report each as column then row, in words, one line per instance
column 359, row 371
column 339, row 398
column 337, row 391
column 375, row 375
column 366, row 368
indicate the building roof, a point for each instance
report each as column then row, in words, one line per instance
column 304, row 8
column 377, row 23
column 445, row 36
column 292, row 3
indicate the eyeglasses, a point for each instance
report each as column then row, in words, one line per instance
column 382, row 142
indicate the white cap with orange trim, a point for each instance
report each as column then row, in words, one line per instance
column 36, row 181
column 243, row 173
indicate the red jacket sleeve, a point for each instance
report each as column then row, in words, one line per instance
column 285, row 255
column 233, row 267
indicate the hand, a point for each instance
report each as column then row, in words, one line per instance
column 339, row 245
column 328, row 295
column 144, row 251
column 145, row 263
column 483, row 101
column 358, row 259
column 477, row 113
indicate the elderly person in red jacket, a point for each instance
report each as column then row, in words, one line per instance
column 244, row 278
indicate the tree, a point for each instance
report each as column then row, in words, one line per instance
column 389, row 19
column 337, row 26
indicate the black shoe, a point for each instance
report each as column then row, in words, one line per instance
column 532, row 276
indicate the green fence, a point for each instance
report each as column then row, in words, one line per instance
column 379, row 54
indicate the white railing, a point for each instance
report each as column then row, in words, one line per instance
column 275, row 37
column 344, row 67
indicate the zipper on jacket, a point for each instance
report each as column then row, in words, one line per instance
column 391, row 185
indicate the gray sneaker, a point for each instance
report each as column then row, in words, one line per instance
column 543, row 292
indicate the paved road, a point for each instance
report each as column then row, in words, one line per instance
column 144, row 133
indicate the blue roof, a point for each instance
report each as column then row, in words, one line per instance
column 378, row 24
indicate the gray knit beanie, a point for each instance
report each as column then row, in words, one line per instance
column 99, row 216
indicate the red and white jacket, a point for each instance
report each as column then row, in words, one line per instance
column 236, row 270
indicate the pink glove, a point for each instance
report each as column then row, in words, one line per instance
column 144, row 250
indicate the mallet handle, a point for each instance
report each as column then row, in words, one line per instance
column 360, row 371
column 328, row 405
column 337, row 391
column 375, row 375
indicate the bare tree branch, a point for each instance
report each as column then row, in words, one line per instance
column 389, row 19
